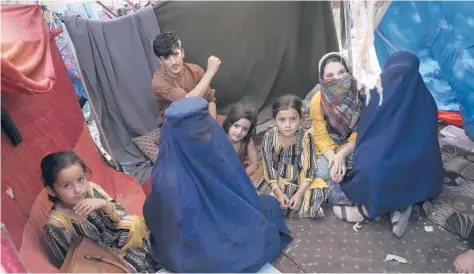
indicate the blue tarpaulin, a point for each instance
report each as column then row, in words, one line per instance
column 441, row 34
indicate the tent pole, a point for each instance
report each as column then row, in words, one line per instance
column 348, row 21
column 107, row 9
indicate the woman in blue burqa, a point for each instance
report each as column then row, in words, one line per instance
column 203, row 212
column 397, row 159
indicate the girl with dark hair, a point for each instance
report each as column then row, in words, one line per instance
column 82, row 208
column 290, row 167
column 240, row 126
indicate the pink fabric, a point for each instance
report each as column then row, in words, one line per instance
column 27, row 64
column 10, row 261
column 49, row 122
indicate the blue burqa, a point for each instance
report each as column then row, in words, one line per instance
column 397, row 157
column 203, row 212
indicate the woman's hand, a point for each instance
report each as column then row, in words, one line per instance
column 337, row 178
column 87, row 206
column 337, row 167
column 282, row 198
column 296, row 200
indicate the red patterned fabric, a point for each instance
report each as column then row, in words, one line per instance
column 27, row 64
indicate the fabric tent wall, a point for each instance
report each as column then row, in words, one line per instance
column 26, row 56
column 446, row 49
column 49, row 122
column 117, row 64
column 267, row 48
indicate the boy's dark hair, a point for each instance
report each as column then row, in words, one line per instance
column 165, row 43
column 55, row 162
column 286, row 102
column 237, row 112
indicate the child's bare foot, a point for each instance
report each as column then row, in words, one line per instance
column 464, row 262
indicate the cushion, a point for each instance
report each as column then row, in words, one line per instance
column 149, row 143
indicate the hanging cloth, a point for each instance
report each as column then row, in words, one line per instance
column 27, row 65
column 68, row 54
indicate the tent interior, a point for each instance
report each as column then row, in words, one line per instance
column 80, row 82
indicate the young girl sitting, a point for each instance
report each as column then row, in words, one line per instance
column 290, row 164
column 240, row 127
column 82, row 208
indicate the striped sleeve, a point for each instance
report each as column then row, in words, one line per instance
column 119, row 211
column 308, row 159
column 58, row 235
column 268, row 148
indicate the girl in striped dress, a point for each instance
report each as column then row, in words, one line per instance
column 290, row 168
column 82, row 208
